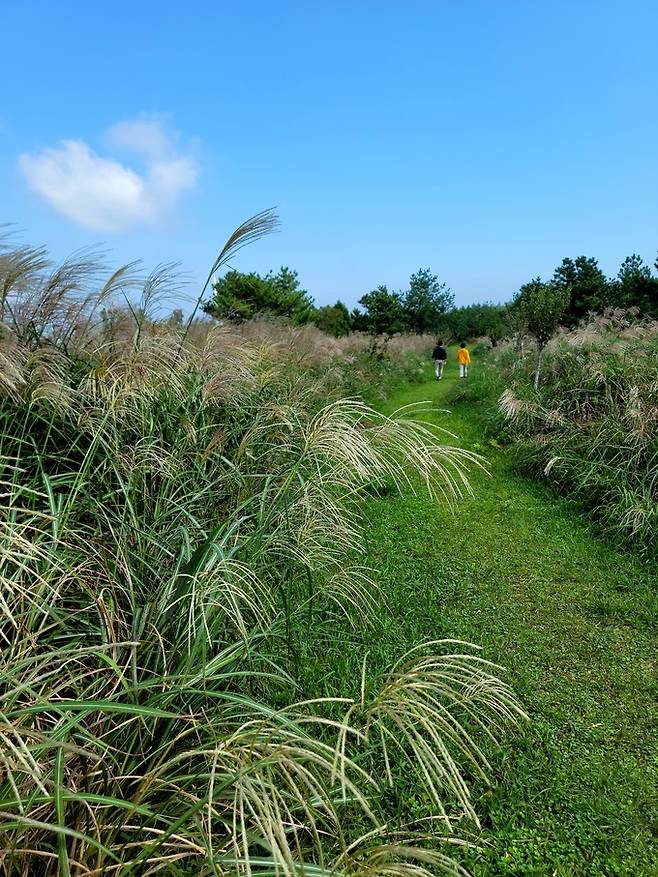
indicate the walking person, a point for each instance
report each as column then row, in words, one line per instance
column 463, row 360
column 440, row 357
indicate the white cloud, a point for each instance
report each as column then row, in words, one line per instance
column 141, row 135
column 104, row 194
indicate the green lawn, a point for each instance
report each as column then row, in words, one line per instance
column 513, row 569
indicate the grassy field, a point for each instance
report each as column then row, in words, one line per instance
column 513, row 569
column 202, row 672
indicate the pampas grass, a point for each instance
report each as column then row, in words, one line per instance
column 179, row 505
column 591, row 431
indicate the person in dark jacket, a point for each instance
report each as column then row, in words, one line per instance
column 440, row 357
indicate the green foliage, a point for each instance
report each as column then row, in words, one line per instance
column 238, row 296
column 426, row 302
column 475, row 321
column 383, row 312
column 333, row 319
column 592, row 292
column 541, row 308
column 421, row 309
column 636, row 287
column 589, row 288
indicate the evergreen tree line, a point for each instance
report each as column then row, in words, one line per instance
column 421, row 308
column 590, row 291
column 427, row 305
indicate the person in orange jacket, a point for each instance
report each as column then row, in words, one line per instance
column 463, row 359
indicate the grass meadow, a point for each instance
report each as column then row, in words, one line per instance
column 259, row 587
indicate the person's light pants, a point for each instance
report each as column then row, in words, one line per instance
column 438, row 367
column 463, row 371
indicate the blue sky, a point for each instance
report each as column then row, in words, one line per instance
column 485, row 140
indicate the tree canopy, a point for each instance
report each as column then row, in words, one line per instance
column 238, row 296
column 475, row 321
column 421, row 308
column 635, row 286
column 333, row 319
column 382, row 313
column 590, row 289
column 426, row 302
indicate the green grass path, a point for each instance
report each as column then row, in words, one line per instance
column 514, row 569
